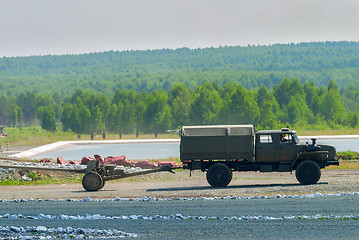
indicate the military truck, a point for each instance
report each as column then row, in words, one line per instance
column 221, row 149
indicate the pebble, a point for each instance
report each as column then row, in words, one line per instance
column 42, row 232
column 177, row 216
column 41, row 229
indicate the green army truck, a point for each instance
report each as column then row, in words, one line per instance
column 221, row 149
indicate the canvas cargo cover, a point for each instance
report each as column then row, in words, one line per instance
column 218, row 130
column 214, row 142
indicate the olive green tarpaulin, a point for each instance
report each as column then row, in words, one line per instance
column 218, row 130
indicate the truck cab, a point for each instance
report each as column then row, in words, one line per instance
column 284, row 147
column 276, row 146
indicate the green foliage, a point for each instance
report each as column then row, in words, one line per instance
column 152, row 70
column 179, row 100
column 239, row 106
column 206, row 104
column 348, row 154
column 85, row 112
column 157, row 114
column 114, row 118
column 38, row 177
column 47, row 118
column 308, row 84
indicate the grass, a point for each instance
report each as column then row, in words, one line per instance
column 348, row 160
column 311, row 132
column 42, row 177
column 348, row 154
column 345, row 165
column 14, row 182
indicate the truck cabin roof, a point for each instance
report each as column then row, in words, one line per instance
column 282, row 131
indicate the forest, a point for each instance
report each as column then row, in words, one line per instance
column 150, row 70
column 86, row 112
column 307, row 84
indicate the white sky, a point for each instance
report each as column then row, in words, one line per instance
column 41, row 27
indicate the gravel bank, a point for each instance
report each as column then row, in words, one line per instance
column 316, row 217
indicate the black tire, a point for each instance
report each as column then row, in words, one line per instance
column 308, row 172
column 92, row 182
column 219, row 175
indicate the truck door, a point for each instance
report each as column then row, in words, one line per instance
column 264, row 148
column 286, row 151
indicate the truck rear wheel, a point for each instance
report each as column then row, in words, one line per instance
column 308, row 172
column 92, row 181
column 219, row 175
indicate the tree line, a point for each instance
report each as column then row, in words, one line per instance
column 127, row 111
column 151, row 70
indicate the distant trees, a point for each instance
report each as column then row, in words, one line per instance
column 114, row 116
column 179, row 100
column 153, row 70
column 157, row 113
column 332, row 106
column 127, row 111
column 269, row 114
column 28, row 103
column 85, row 113
column 239, row 105
column 10, row 112
column 47, row 118
column 206, row 104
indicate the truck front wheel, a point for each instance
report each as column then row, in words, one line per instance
column 219, row 175
column 308, row 172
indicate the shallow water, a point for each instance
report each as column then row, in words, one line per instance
column 130, row 150
column 341, row 144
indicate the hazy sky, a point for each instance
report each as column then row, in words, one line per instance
column 40, row 27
